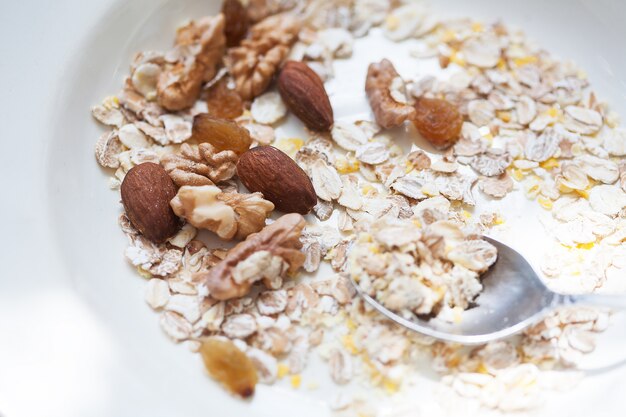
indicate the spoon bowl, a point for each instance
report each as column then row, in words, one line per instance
column 513, row 298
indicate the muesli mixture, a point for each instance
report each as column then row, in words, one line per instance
column 192, row 145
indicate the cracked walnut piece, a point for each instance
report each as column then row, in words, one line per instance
column 200, row 165
column 281, row 239
column 255, row 61
column 200, row 45
column 260, row 9
column 229, row 215
column 388, row 112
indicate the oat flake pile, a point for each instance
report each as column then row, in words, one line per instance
column 191, row 144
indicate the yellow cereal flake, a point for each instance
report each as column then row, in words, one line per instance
column 552, row 112
column 582, row 193
column 448, row 36
column 408, row 167
column 454, row 361
column 586, row 246
column 430, row 192
column 376, row 378
column 332, row 321
column 550, row 163
column 417, row 223
column 517, row 174
column 296, row 380
column 111, row 102
column 348, row 343
column 456, row 59
column 367, row 189
column 505, row 116
column 392, row 22
column 290, row 145
column 440, row 291
column 351, row 325
column 563, row 189
column 612, row 119
column 457, row 314
column 485, row 132
column 395, row 150
column 374, row 248
column 365, row 238
column 466, row 214
column 482, row 368
column 525, row 60
column 577, row 149
column 532, row 190
column 498, row 221
column 347, row 165
column 477, row 27
column 283, row 369
column 545, row 202
column 389, row 386
column 144, row 273
column 501, row 64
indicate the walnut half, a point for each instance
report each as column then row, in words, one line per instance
column 229, row 215
column 387, row 110
column 199, row 49
column 280, row 239
column 200, row 165
column 255, row 61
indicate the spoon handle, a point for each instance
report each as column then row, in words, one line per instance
column 614, row 301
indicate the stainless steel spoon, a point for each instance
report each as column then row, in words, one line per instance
column 513, row 298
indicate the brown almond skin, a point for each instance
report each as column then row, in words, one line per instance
column 303, row 92
column 272, row 172
column 225, row 135
column 146, row 193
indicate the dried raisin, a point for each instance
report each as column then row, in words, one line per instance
column 438, row 121
column 224, row 102
column 221, row 133
column 236, row 22
column 229, row 366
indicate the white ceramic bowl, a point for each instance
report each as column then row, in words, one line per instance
column 77, row 338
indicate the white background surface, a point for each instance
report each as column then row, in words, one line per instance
column 75, row 336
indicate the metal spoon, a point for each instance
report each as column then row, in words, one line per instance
column 513, row 298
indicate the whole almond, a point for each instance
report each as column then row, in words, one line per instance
column 303, row 92
column 272, row 172
column 146, row 194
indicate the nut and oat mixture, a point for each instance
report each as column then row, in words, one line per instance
column 507, row 120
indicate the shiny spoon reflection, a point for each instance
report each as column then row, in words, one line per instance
column 513, row 298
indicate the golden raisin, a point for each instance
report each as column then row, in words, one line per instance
column 438, row 121
column 224, row 102
column 223, row 134
column 236, row 21
column 229, row 366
